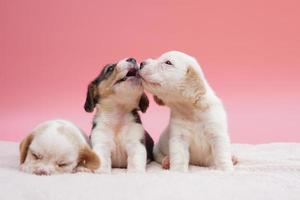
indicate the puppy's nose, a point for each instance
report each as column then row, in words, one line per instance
column 41, row 172
column 131, row 60
column 142, row 65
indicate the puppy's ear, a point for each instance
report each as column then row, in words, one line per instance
column 24, row 145
column 91, row 100
column 88, row 158
column 158, row 100
column 144, row 103
column 194, row 81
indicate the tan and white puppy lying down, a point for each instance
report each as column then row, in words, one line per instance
column 56, row 147
column 117, row 135
column 197, row 131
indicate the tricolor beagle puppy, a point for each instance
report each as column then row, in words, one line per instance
column 117, row 135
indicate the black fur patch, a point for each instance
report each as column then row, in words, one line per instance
column 136, row 116
column 147, row 140
column 104, row 74
column 149, row 143
column 91, row 96
column 144, row 103
column 94, row 125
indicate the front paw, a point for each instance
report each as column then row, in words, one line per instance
column 82, row 169
column 225, row 167
column 179, row 165
column 179, row 169
column 165, row 162
column 103, row 171
column 136, row 170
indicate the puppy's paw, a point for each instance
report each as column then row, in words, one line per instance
column 142, row 170
column 103, row 171
column 82, row 169
column 165, row 162
column 225, row 167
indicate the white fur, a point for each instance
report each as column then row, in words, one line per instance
column 53, row 147
column 194, row 135
column 117, row 137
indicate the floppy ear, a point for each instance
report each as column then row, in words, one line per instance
column 195, row 82
column 158, row 100
column 144, row 103
column 88, row 158
column 24, row 145
column 90, row 101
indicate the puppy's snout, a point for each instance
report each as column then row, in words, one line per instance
column 142, row 65
column 41, row 172
column 131, row 60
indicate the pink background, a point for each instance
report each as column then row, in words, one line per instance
column 249, row 50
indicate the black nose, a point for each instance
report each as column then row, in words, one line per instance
column 131, row 60
column 142, row 64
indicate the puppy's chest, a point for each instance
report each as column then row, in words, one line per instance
column 123, row 137
column 118, row 151
column 200, row 145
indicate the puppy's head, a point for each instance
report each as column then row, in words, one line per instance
column 54, row 148
column 172, row 76
column 117, row 83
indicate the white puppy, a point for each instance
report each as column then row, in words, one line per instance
column 55, row 147
column 197, row 131
column 118, row 136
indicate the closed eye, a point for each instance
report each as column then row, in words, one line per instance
column 36, row 156
column 63, row 164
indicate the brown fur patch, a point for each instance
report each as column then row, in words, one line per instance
column 158, row 100
column 88, row 158
column 105, row 87
column 24, row 146
column 101, row 87
column 197, row 87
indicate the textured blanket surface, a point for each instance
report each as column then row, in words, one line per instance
column 266, row 171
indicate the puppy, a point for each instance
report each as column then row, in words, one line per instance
column 117, row 135
column 56, row 147
column 197, row 131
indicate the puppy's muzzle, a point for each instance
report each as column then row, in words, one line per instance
column 131, row 60
column 132, row 72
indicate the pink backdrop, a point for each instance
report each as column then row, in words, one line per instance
column 249, row 51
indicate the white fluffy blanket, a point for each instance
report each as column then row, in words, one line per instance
column 267, row 171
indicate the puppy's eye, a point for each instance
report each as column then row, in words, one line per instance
column 110, row 69
column 36, row 156
column 168, row 62
column 63, row 164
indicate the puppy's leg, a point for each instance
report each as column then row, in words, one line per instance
column 102, row 143
column 161, row 149
column 221, row 152
column 166, row 162
column 82, row 169
column 104, row 153
column 137, row 157
column 158, row 156
column 179, row 148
